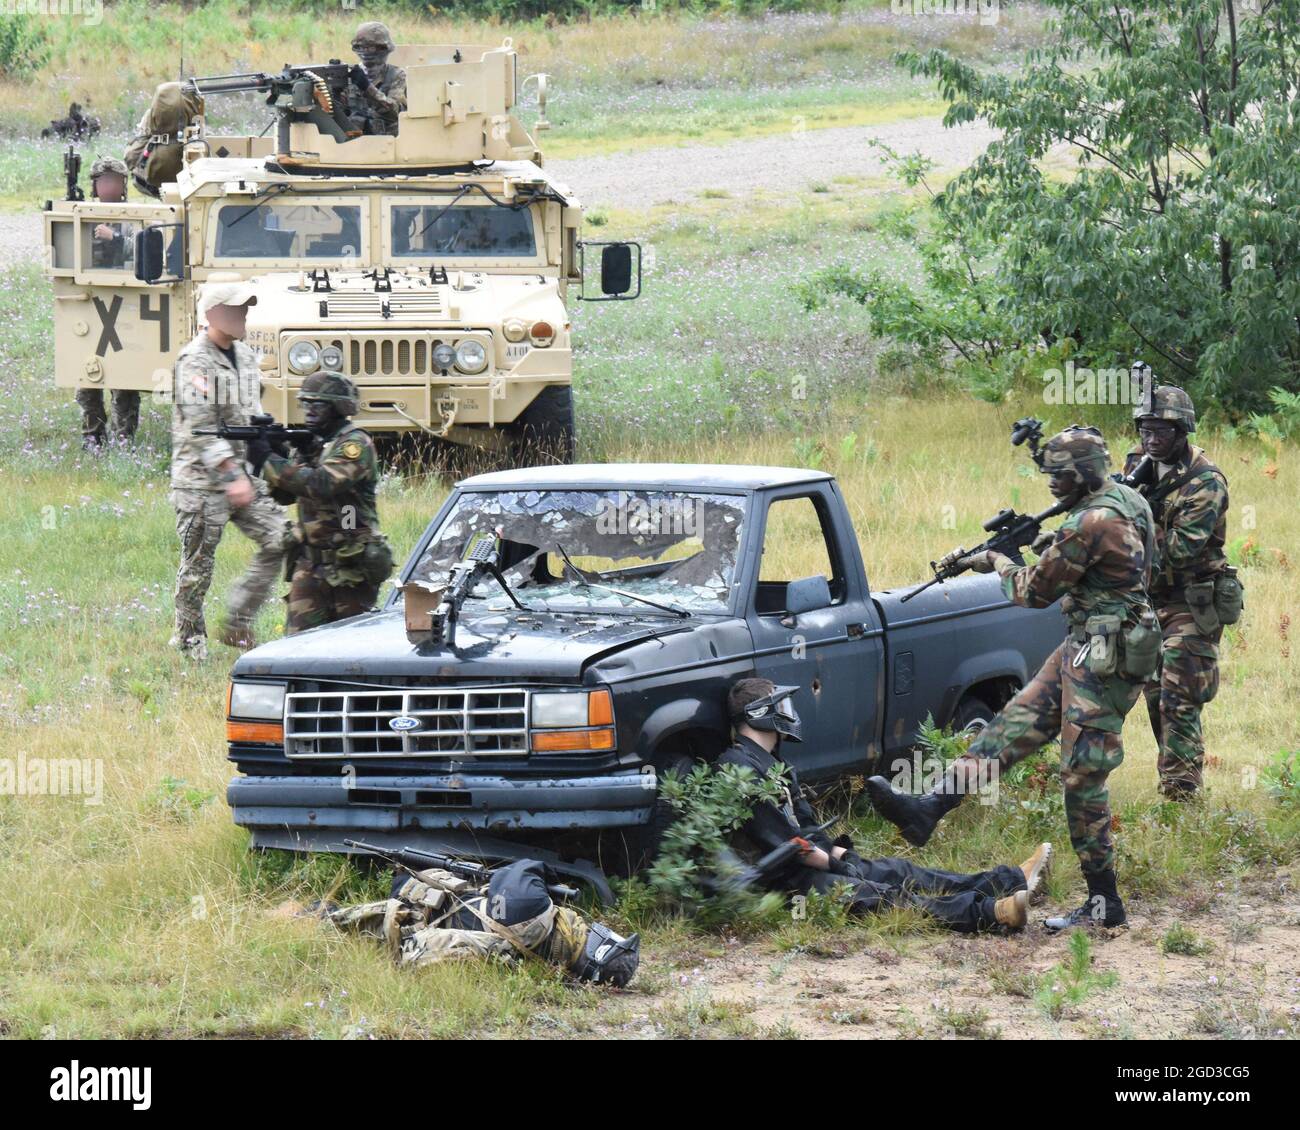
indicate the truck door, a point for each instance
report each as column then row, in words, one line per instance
column 834, row 654
column 111, row 329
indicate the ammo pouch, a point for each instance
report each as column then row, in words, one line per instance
column 1200, row 600
column 1142, row 644
column 1228, row 596
column 1102, row 632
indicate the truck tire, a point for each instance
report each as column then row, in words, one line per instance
column 633, row 849
column 972, row 714
column 544, row 432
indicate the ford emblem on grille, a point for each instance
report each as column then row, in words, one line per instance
column 403, row 722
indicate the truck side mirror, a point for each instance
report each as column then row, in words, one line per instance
column 806, row 595
column 616, row 269
column 149, row 255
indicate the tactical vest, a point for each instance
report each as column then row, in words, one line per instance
column 312, row 511
column 1094, row 595
column 1211, row 561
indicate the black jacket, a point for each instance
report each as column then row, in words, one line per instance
column 773, row 824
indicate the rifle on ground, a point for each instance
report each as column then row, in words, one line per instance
column 1012, row 534
column 262, row 427
column 414, row 859
column 307, row 92
column 772, row 863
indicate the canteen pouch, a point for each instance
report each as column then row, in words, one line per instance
column 1103, row 643
column 1142, row 643
column 1229, row 596
column 1200, row 600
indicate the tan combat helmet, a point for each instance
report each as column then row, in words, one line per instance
column 327, row 384
column 1079, row 451
column 104, row 165
column 1168, row 402
column 373, row 34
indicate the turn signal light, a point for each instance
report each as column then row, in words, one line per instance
column 600, row 709
column 557, row 741
column 262, row 732
column 541, row 333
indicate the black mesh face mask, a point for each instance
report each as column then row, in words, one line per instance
column 774, row 713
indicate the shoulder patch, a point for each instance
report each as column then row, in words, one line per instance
column 351, row 450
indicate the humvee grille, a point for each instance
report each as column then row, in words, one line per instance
column 390, row 356
column 444, row 722
column 384, row 305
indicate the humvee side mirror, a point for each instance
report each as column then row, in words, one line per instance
column 616, row 271
column 150, row 253
column 806, row 595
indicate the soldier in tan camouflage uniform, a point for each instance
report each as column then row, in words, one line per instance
column 377, row 93
column 1096, row 563
column 1194, row 589
column 217, row 383
column 108, row 250
column 338, row 558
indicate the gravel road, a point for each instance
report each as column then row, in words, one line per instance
column 781, row 163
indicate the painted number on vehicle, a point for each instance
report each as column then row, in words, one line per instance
column 517, row 352
column 108, row 314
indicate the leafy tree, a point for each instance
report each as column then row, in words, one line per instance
column 1177, row 236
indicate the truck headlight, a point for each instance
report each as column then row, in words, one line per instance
column 572, row 721
column 444, row 357
column 304, row 357
column 331, row 357
column 471, row 357
column 255, row 713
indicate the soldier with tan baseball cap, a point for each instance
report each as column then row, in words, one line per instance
column 217, row 382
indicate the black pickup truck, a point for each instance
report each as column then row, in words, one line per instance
column 646, row 590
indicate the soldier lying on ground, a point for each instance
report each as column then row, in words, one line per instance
column 763, row 716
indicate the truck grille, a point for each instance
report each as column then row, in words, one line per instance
column 387, row 305
column 448, row 722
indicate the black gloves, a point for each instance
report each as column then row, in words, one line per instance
column 358, row 76
column 306, row 443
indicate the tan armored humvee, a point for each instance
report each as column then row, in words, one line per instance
column 433, row 267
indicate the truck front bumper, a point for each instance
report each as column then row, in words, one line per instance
column 460, row 800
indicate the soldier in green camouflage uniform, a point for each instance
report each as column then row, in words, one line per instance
column 1192, row 586
column 217, row 382
column 108, row 251
column 1096, row 564
column 339, row 558
column 377, row 92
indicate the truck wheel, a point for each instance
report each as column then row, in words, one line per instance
column 972, row 715
column 544, row 431
column 634, row 849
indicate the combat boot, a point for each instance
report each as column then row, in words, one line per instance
column 1103, row 906
column 238, row 636
column 1037, row 868
column 1012, row 911
column 916, row 817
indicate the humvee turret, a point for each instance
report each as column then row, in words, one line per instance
column 434, row 267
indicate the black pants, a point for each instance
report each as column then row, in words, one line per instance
column 960, row 902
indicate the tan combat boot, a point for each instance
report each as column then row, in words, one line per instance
column 1037, row 868
column 1013, row 911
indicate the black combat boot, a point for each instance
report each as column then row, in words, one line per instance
column 1103, row 906
column 916, row 817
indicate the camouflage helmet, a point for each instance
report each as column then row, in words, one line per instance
column 1168, row 402
column 104, row 165
column 373, row 34
column 334, row 387
column 1079, row 451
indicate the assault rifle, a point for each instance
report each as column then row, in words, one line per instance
column 413, row 860
column 262, row 427
column 71, row 171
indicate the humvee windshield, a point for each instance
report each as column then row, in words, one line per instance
column 289, row 231
column 677, row 548
column 475, row 231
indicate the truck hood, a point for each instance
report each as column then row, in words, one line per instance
column 495, row 645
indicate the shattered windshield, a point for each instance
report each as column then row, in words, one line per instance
column 678, row 549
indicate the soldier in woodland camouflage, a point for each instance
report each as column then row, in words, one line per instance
column 108, row 251
column 217, row 382
column 1194, row 590
column 338, row 558
column 377, row 93
column 1096, row 564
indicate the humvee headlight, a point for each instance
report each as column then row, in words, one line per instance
column 541, row 333
column 471, row 357
column 444, row 357
column 303, row 357
column 514, row 329
column 331, row 357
